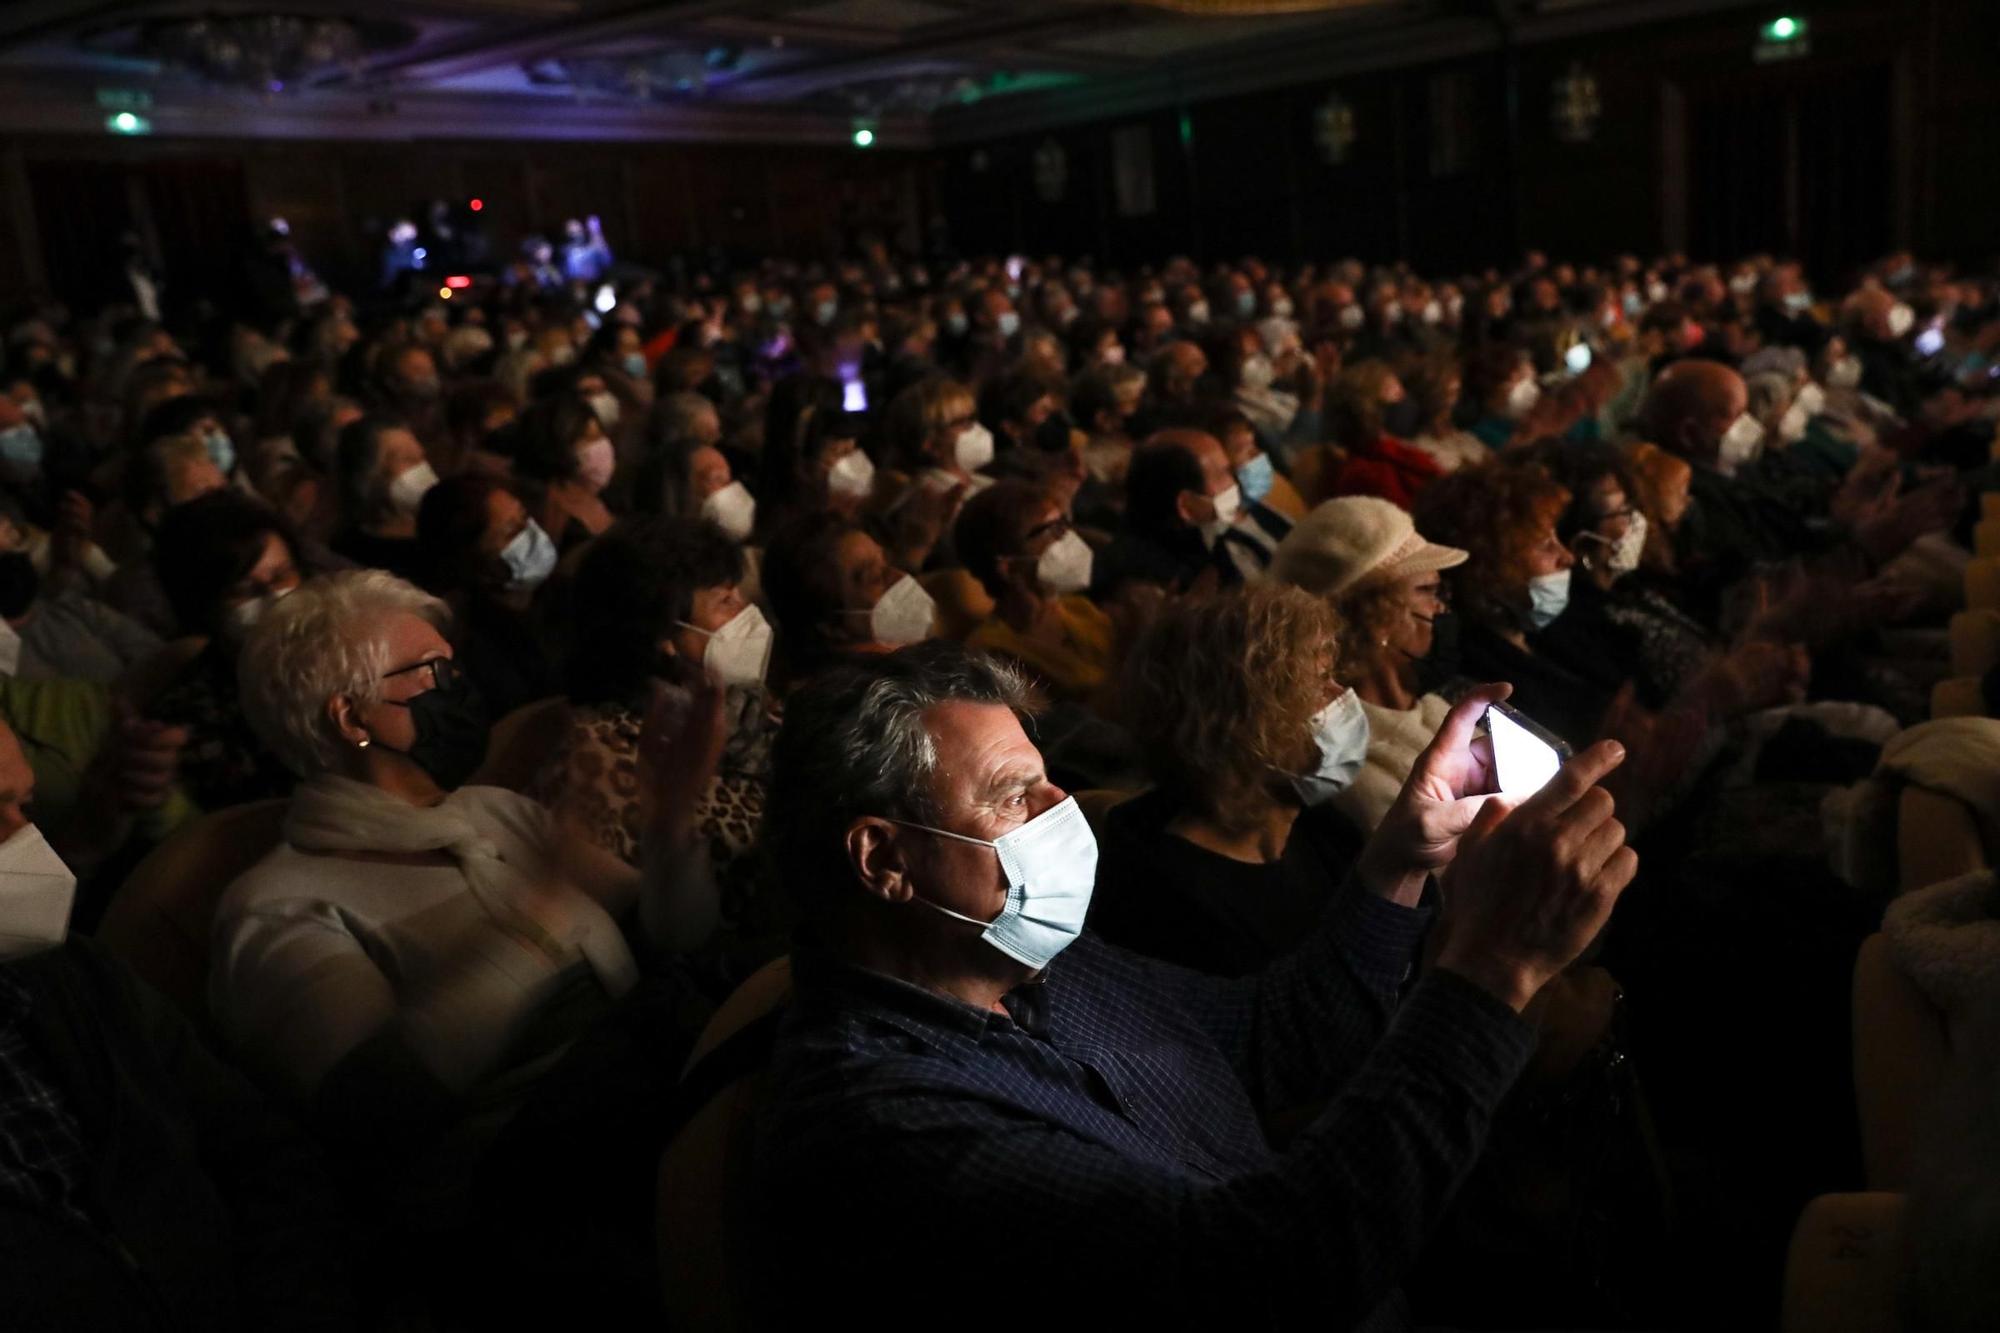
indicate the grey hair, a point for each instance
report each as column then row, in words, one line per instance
column 324, row 640
column 856, row 741
column 678, row 413
column 1769, row 394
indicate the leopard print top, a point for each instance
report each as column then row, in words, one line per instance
column 594, row 775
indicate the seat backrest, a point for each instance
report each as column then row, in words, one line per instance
column 1982, row 584
column 521, row 742
column 1901, row 1049
column 1958, row 696
column 1844, row 1266
column 1937, row 838
column 704, row 1179
column 1975, row 642
column 157, row 923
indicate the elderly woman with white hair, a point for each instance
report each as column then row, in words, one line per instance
column 416, row 952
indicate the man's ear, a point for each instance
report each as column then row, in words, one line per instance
column 1184, row 505
column 877, row 857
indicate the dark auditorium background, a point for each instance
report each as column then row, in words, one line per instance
column 1878, row 137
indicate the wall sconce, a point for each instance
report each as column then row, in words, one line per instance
column 1333, row 129
column 1051, row 171
column 1575, row 109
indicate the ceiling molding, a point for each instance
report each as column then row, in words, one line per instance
column 1317, row 55
column 33, row 107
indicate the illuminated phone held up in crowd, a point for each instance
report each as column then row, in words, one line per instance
column 1525, row 755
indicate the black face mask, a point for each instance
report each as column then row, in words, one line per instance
column 452, row 724
column 18, row 584
column 1052, row 436
column 1401, row 418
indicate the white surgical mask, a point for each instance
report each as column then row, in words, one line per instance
column 1844, row 373
column 1812, row 399
column 1740, row 444
column 1656, row 292
column 973, row 449
column 1257, row 372
column 595, row 463
column 1340, row 735
column 1009, row 323
column 530, row 558
column 36, row 891
column 1282, row 307
column 1228, row 504
column 1432, row 313
column 1548, row 597
column 733, row 509
column 852, row 477
column 1521, row 399
column 1792, row 426
column 1352, row 317
column 903, row 614
column 1625, row 555
column 1064, row 565
column 243, row 617
column 407, row 491
column 740, row 651
column 1114, row 355
column 1901, row 317
column 1051, row 867
column 605, row 405
column 1198, row 313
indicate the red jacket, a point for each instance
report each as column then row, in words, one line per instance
column 1387, row 468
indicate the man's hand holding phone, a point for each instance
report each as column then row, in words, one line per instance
column 1532, row 883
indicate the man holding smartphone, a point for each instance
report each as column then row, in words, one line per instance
column 949, row 1095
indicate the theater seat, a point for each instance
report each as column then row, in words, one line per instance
column 1958, row 696
column 157, row 923
column 1937, row 838
column 1844, row 1264
column 521, row 742
column 704, row 1181
column 1975, row 642
column 1982, row 585
column 1900, row 1053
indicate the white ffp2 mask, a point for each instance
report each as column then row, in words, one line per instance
column 36, row 891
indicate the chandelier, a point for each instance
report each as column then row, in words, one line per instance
column 920, row 95
column 647, row 76
column 267, row 53
column 1574, row 106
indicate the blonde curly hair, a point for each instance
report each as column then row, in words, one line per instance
column 1221, row 691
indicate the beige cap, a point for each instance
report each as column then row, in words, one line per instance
column 1357, row 537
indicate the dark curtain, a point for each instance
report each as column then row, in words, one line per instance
column 1844, row 184
column 1736, row 165
column 1794, row 163
column 81, row 209
column 200, row 211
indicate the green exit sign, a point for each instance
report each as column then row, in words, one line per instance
column 1783, row 38
column 124, row 99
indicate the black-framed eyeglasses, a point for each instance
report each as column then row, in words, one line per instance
column 444, row 672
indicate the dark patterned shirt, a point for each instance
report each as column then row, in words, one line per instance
column 42, row 1163
column 1096, row 1152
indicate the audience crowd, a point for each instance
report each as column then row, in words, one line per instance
column 1050, row 699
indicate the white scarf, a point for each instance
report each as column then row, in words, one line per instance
column 335, row 814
